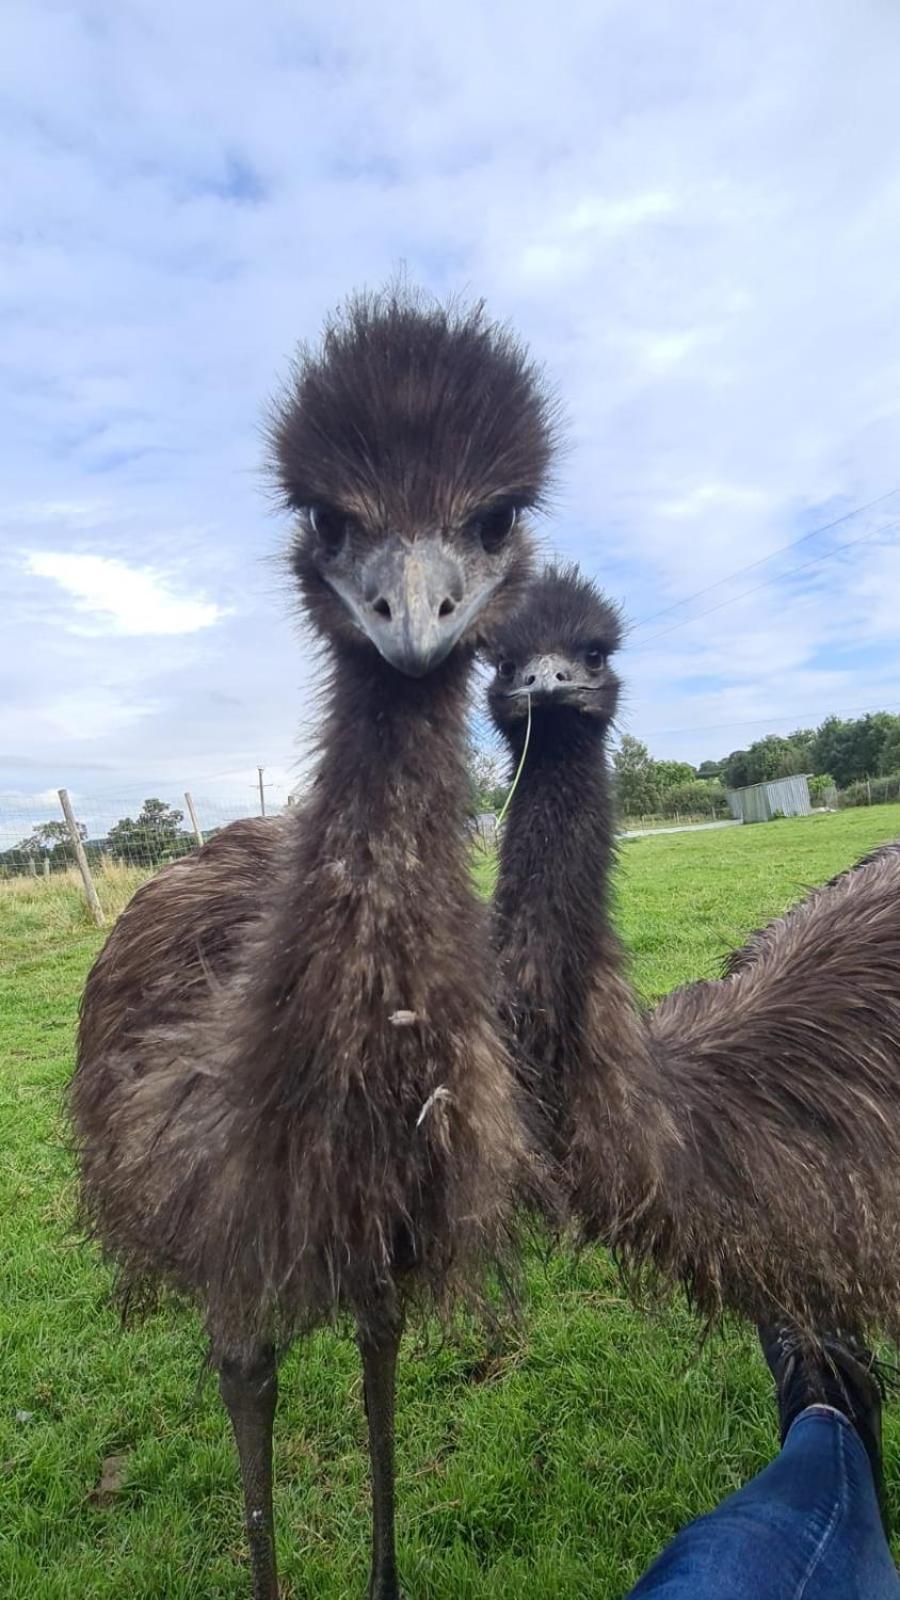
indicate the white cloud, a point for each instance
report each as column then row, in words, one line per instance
column 722, row 497
column 122, row 599
column 695, row 228
column 89, row 716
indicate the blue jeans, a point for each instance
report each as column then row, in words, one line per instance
column 807, row 1528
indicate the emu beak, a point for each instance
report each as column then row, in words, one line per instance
column 547, row 676
column 413, row 603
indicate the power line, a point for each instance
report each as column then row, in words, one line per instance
column 738, row 572
column 795, row 717
column 776, row 577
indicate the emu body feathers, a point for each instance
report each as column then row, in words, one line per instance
column 743, row 1137
column 248, row 1112
column 781, row 1191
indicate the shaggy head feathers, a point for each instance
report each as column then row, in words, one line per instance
column 567, row 618
column 562, row 610
column 412, row 415
column 411, row 420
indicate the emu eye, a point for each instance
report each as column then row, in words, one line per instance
column 506, row 670
column 330, row 527
column 493, row 525
column 595, row 658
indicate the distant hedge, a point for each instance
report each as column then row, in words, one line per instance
column 871, row 791
column 695, row 795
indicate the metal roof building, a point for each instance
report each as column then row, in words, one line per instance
column 760, row 802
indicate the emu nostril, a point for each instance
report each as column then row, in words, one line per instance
column 529, row 680
column 562, row 677
column 382, row 608
column 447, row 607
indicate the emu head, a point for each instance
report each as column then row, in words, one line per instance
column 554, row 651
column 410, row 445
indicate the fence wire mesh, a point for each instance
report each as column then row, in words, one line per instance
column 124, row 838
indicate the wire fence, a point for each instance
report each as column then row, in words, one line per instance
column 645, row 821
column 70, row 863
column 81, row 859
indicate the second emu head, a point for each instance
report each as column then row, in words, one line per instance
column 409, row 445
column 554, row 652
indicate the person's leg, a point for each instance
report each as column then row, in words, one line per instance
column 809, row 1527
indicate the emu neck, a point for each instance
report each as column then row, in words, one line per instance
column 372, row 908
column 392, row 761
column 559, row 963
column 557, row 846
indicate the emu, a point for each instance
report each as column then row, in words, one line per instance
column 561, row 969
column 742, row 1138
column 292, row 1099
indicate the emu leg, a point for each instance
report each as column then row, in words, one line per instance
column 249, row 1390
column 379, row 1356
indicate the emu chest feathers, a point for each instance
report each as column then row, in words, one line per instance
column 327, row 1105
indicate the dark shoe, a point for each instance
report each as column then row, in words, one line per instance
column 840, row 1374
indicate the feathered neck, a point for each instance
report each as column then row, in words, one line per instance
column 557, row 844
column 372, row 905
column 392, row 756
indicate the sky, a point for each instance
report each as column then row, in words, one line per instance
column 691, row 215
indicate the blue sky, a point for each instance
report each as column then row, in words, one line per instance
column 691, row 214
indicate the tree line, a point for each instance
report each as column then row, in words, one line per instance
column 849, row 751
column 151, row 838
column 858, row 756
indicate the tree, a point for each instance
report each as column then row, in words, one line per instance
column 698, row 796
column 831, row 750
column 773, row 757
column 152, row 837
column 31, row 848
column 48, row 842
column 803, row 740
column 767, row 758
column 851, row 750
column 821, row 786
column 487, row 789
column 49, row 834
column 710, row 769
column 667, row 773
column 636, row 790
column 889, row 760
column 48, row 838
column 735, row 770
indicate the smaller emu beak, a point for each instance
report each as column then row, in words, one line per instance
column 547, row 676
column 413, row 605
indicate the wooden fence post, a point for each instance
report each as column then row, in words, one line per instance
column 262, row 792
column 188, row 800
column 90, row 892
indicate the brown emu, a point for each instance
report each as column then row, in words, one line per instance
column 292, row 1099
column 562, row 979
column 742, row 1138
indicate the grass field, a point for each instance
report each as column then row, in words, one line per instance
column 555, row 1462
